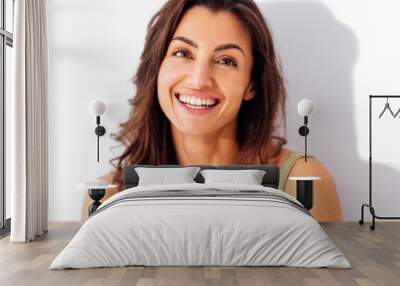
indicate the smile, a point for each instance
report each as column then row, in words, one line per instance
column 196, row 102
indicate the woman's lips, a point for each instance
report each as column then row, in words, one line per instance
column 196, row 104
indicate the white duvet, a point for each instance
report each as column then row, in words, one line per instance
column 182, row 231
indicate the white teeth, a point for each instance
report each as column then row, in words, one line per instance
column 196, row 101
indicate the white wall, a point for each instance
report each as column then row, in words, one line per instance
column 335, row 52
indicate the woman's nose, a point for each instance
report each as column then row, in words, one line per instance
column 200, row 76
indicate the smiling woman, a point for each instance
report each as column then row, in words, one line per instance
column 200, row 96
column 209, row 90
column 203, row 80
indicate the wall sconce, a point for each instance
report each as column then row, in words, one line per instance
column 97, row 107
column 305, row 108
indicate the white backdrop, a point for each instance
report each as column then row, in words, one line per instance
column 335, row 52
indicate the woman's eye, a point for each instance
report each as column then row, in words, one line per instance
column 181, row 53
column 228, row 62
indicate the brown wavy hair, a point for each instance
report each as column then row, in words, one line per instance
column 147, row 133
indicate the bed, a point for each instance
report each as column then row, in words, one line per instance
column 201, row 224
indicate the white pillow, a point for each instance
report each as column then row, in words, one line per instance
column 248, row 177
column 161, row 176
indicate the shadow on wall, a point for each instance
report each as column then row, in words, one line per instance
column 318, row 54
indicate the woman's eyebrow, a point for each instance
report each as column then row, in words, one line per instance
column 219, row 48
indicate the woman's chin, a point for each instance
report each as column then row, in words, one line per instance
column 194, row 130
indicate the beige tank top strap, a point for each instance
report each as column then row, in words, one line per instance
column 286, row 165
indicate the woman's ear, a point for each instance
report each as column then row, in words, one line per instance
column 250, row 93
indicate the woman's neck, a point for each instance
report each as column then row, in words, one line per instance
column 219, row 148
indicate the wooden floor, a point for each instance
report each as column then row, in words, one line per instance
column 374, row 255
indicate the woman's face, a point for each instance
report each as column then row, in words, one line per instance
column 206, row 72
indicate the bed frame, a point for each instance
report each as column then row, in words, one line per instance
column 270, row 179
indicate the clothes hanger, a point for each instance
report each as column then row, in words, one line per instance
column 387, row 107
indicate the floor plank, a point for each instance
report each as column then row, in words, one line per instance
column 374, row 255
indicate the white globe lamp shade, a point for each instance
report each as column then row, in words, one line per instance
column 97, row 107
column 305, row 107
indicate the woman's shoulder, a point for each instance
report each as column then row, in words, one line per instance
column 301, row 167
column 292, row 164
column 295, row 161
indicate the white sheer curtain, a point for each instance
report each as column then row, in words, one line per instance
column 28, row 160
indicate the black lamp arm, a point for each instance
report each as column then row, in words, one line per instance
column 303, row 131
column 100, row 131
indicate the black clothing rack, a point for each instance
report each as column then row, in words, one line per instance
column 369, row 205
